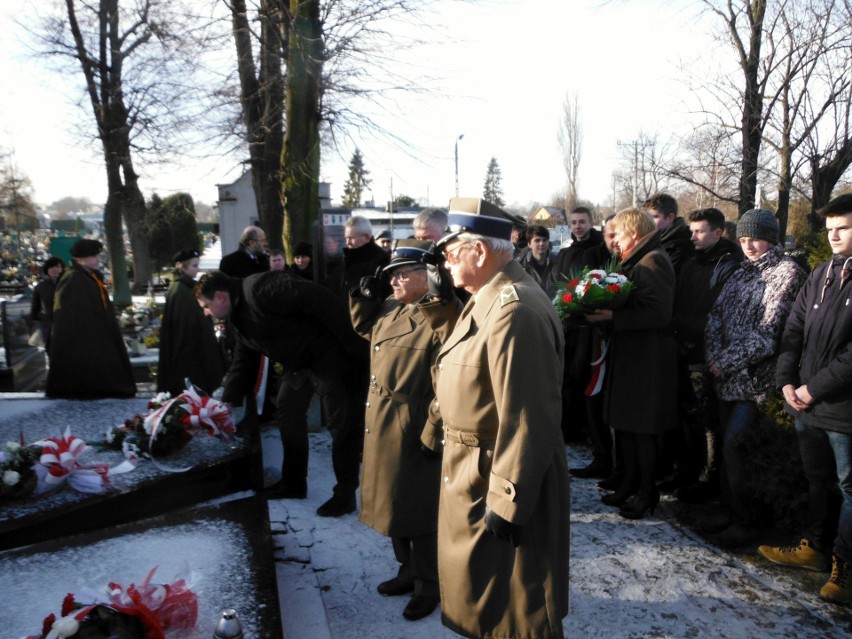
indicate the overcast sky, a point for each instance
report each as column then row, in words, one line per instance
column 501, row 70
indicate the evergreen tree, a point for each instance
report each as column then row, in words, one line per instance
column 171, row 227
column 357, row 182
column 493, row 191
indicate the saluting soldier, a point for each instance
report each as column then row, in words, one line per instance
column 504, row 501
column 401, row 479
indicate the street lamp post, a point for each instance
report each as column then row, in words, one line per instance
column 457, row 163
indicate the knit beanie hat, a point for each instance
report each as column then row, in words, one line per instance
column 305, row 249
column 759, row 224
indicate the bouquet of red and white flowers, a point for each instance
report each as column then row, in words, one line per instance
column 592, row 289
column 171, row 424
column 146, row 611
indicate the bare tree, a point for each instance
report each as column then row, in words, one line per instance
column 337, row 56
column 571, row 140
column 261, row 78
column 136, row 59
column 812, row 45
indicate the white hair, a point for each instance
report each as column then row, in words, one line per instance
column 360, row 224
column 494, row 244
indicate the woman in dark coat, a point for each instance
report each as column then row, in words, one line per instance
column 88, row 358
column 188, row 346
column 640, row 401
column 41, row 311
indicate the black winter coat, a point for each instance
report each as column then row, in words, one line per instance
column 677, row 242
column 358, row 262
column 241, row 264
column 816, row 348
column 188, row 346
column 699, row 282
column 41, row 309
column 641, row 363
column 88, row 358
column 292, row 321
column 572, row 259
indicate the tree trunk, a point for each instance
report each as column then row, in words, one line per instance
column 115, row 237
column 300, row 160
column 824, row 177
column 262, row 97
column 752, row 120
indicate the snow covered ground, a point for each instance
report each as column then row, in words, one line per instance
column 648, row 578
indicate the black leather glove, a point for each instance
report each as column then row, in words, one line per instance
column 501, row 528
column 369, row 286
column 440, row 283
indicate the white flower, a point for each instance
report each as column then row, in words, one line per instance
column 65, row 627
column 13, row 447
column 600, row 273
column 161, row 398
column 11, row 477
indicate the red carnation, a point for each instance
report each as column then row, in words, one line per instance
column 68, row 605
column 573, row 283
column 594, row 276
column 615, row 288
column 568, row 298
column 47, row 624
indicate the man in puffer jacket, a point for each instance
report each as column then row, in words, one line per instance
column 741, row 343
column 815, row 375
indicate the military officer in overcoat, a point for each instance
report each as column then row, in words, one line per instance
column 504, row 501
column 401, row 480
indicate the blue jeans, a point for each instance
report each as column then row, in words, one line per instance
column 827, row 458
column 735, row 418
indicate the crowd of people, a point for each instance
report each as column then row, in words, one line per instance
column 450, row 386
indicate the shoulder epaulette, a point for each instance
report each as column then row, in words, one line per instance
column 508, row 294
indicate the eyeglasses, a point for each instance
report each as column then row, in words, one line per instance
column 452, row 256
column 402, row 276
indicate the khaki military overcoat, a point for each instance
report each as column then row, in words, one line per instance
column 399, row 482
column 498, row 388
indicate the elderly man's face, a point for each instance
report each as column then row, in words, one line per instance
column 90, row 261
column 609, row 237
column 258, row 245
column 354, row 239
column 461, row 262
column 409, row 283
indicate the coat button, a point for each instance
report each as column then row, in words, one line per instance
column 508, row 490
column 373, row 377
column 446, row 479
column 366, row 430
column 443, row 442
column 377, row 348
column 437, row 404
column 440, row 366
column 367, row 404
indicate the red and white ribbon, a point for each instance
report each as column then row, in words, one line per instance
column 59, row 462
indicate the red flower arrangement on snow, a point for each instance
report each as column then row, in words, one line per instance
column 592, row 289
column 146, row 611
column 170, row 425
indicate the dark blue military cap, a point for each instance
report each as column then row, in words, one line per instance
column 409, row 252
column 478, row 216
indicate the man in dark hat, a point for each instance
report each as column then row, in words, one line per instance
column 503, row 518
column 384, row 240
column 400, row 483
column 88, row 358
column 188, row 345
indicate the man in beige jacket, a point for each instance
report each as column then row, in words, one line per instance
column 504, row 502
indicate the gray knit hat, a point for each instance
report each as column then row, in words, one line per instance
column 759, row 224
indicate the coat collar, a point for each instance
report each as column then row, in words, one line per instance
column 405, row 319
column 481, row 304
